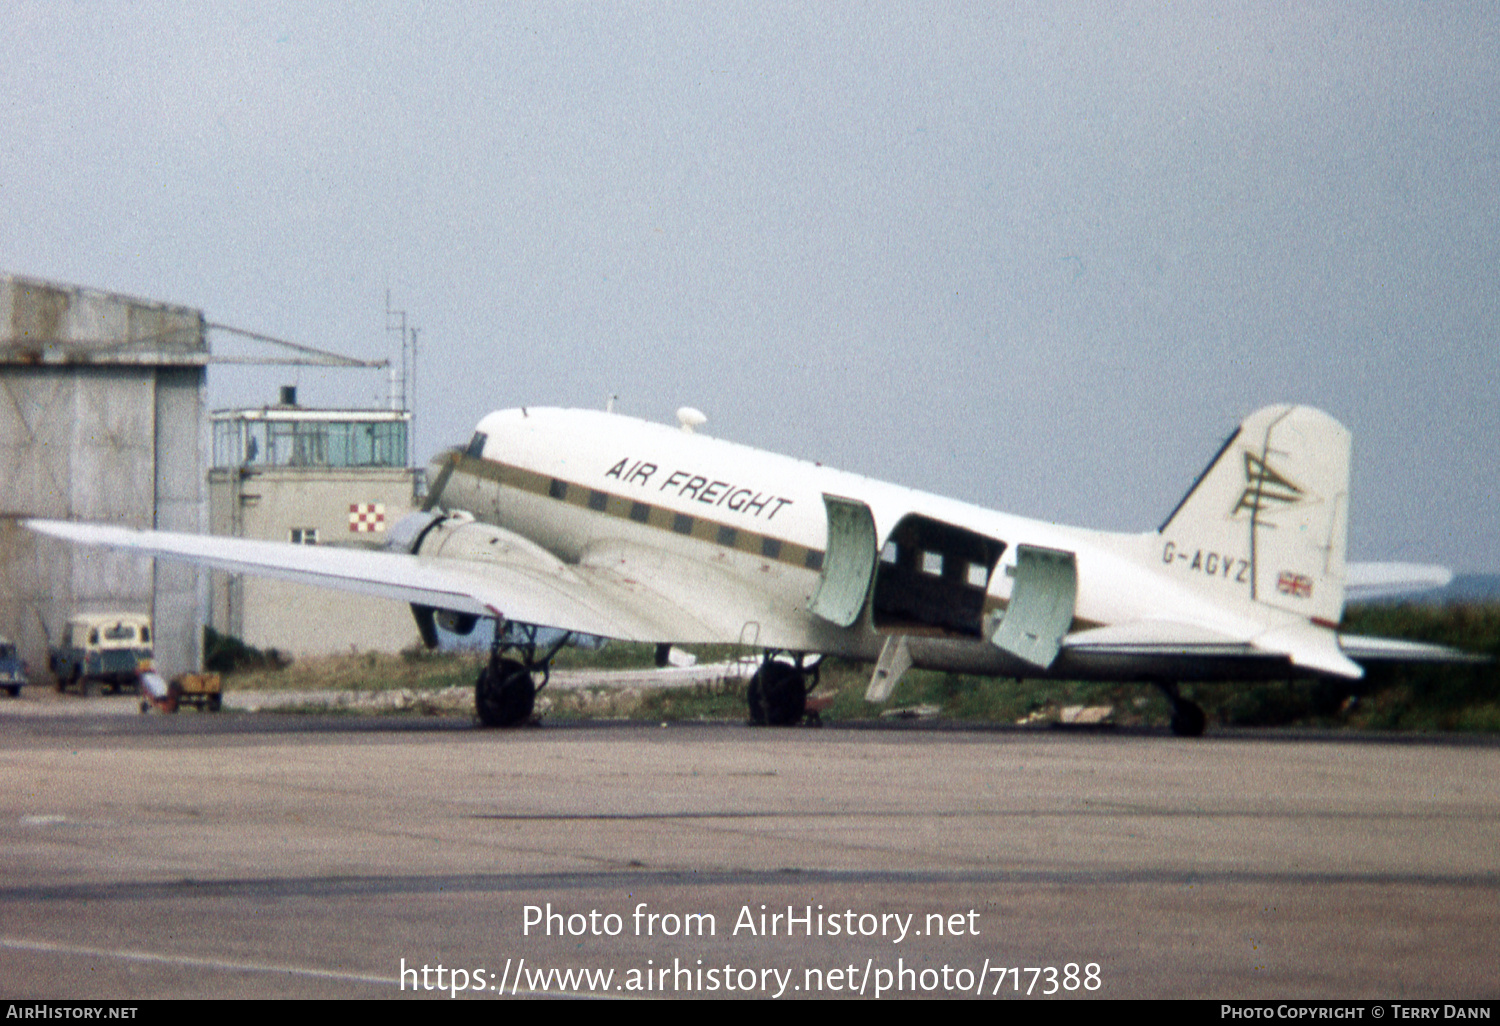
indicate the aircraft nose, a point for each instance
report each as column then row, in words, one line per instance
column 440, row 469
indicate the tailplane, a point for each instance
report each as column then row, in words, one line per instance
column 1270, row 515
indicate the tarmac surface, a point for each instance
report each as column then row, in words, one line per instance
column 248, row 855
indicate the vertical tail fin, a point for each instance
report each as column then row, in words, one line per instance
column 1271, row 514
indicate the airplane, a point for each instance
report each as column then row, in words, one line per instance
column 600, row 524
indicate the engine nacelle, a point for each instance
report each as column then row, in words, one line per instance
column 457, row 536
column 406, row 534
column 461, row 538
column 456, row 623
column 410, row 535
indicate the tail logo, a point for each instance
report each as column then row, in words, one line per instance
column 1265, row 489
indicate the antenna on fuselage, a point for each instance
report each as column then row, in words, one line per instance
column 609, row 404
column 691, row 419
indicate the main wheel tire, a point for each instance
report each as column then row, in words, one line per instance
column 777, row 696
column 504, row 694
column 1188, row 719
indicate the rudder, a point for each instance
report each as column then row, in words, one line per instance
column 1270, row 514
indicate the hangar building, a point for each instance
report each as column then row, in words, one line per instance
column 101, row 418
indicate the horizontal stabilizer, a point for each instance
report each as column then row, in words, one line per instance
column 1149, row 634
column 1174, row 649
column 1374, row 650
column 1310, row 647
column 1368, row 581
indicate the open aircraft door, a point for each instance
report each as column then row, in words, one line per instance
column 848, row 562
column 1041, row 605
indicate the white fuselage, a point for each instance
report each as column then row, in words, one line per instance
column 748, row 530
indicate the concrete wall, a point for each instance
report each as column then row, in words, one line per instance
column 267, row 503
column 181, row 500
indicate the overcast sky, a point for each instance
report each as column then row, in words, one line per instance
column 1039, row 257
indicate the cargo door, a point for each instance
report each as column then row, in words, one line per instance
column 848, row 562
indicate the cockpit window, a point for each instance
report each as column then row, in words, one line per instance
column 476, row 445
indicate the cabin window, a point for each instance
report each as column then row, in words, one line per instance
column 728, row 536
column 557, row 489
column 640, row 512
column 598, row 500
column 770, row 548
column 682, row 524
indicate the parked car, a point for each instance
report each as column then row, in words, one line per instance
column 12, row 670
column 103, row 650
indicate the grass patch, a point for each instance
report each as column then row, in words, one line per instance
column 989, row 699
column 364, row 671
column 1410, row 697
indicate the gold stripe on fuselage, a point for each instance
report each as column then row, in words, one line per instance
column 701, row 528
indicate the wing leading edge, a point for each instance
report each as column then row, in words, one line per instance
column 589, row 600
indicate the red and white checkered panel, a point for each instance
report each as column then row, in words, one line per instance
column 366, row 516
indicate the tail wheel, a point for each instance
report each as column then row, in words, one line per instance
column 1188, row 719
column 504, row 694
column 777, row 695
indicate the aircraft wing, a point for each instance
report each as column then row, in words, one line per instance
column 610, row 597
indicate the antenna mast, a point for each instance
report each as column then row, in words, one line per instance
column 403, row 389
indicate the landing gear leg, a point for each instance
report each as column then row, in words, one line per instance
column 778, row 692
column 505, row 693
column 1188, row 718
